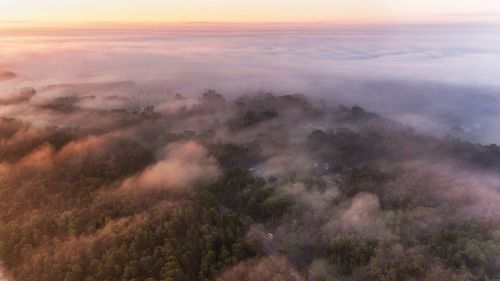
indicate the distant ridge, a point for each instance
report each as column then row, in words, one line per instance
column 93, row 87
column 7, row 75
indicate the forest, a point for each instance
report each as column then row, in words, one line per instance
column 97, row 187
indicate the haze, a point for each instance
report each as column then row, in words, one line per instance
column 249, row 140
column 400, row 70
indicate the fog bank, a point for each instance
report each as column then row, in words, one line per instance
column 440, row 78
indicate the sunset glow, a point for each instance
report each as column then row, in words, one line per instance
column 353, row 11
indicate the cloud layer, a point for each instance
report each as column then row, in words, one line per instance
column 423, row 75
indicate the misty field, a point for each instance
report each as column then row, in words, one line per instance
column 262, row 152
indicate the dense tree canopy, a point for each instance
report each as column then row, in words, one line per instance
column 295, row 189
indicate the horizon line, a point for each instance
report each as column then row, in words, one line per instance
column 62, row 24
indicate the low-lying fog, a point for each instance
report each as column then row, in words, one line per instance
column 117, row 163
column 439, row 78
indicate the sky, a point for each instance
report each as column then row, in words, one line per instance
column 351, row 11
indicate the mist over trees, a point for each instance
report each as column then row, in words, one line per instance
column 97, row 186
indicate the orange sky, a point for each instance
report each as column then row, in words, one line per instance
column 352, row 11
